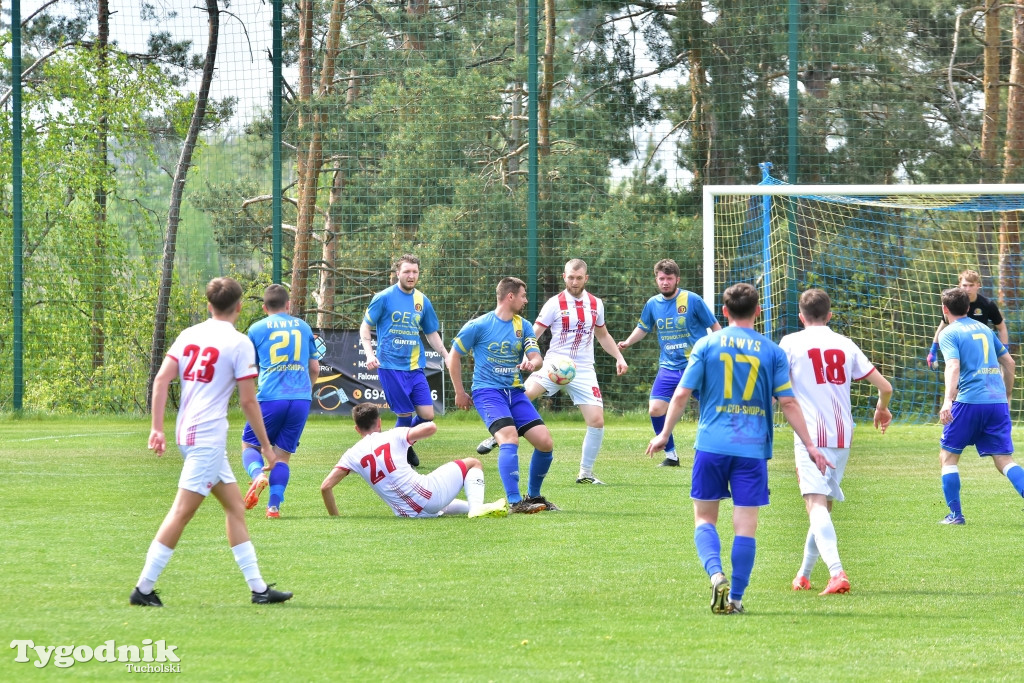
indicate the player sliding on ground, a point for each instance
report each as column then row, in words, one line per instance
column 380, row 459
column 822, row 365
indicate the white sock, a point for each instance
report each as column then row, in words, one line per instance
column 591, row 446
column 456, row 507
column 474, row 488
column 245, row 556
column 810, row 554
column 671, row 455
column 825, row 538
column 157, row 558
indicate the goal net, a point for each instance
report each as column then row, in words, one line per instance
column 884, row 254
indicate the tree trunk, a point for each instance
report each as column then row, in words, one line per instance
column 177, row 191
column 692, row 14
column 417, row 9
column 516, row 133
column 99, row 266
column 547, row 84
column 1013, row 155
column 989, row 138
column 310, row 160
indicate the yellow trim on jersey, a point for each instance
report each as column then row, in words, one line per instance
column 417, row 306
column 682, row 299
column 787, row 385
column 517, row 325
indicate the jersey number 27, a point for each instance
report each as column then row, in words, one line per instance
column 369, row 462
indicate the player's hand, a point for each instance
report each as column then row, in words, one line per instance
column 463, row 401
column 656, row 444
column 882, row 419
column 157, row 442
column 621, row 367
column 946, row 412
column 933, row 357
column 819, row 459
column 622, row 345
column 526, row 365
column 372, row 363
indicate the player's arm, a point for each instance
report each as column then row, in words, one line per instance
column 1007, row 364
column 716, row 327
column 604, row 337
column 423, row 430
column 675, row 411
column 532, row 361
column 462, row 399
column 882, row 415
column 795, row 418
column 1003, row 334
column 933, row 352
column 251, row 409
column 436, row 343
column 636, row 335
column 952, row 381
column 327, row 489
column 314, row 370
column 366, row 339
column 161, row 384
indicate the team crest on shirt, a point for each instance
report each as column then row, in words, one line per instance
column 977, row 311
column 681, row 308
column 564, row 313
column 418, row 307
column 519, row 333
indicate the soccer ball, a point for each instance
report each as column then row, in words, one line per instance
column 561, row 371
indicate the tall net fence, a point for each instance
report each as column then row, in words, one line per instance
column 405, row 127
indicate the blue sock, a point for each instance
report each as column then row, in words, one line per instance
column 709, row 548
column 744, row 548
column 659, row 424
column 508, row 469
column 1015, row 473
column 404, row 421
column 416, row 419
column 252, row 461
column 951, row 489
column 278, row 481
column 540, row 463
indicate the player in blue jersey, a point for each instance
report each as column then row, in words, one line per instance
column 680, row 318
column 285, row 352
column 975, row 408
column 399, row 313
column 503, row 344
column 738, row 372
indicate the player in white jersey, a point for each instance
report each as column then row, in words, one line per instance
column 380, row 459
column 575, row 317
column 209, row 360
column 822, row 365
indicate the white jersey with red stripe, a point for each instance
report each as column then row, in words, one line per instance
column 572, row 321
column 822, row 365
column 212, row 356
column 381, row 459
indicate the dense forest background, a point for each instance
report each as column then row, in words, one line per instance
column 147, row 155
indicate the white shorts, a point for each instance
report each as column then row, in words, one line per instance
column 582, row 389
column 444, row 483
column 204, row 468
column 813, row 481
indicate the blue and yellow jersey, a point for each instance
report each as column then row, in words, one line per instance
column 680, row 321
column 978, row 349
column 737, row 372
column 284, row 345
column 399, row 317
column 498, row 347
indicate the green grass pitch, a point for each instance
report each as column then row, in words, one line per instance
column 609, row 589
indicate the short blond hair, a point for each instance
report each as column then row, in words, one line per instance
column 971, row 276
column 575, row 264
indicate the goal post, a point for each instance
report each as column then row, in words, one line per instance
column 883, row 253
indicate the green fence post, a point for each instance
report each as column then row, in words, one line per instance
column 532, row 187
column 276, row 126
column 16, row 215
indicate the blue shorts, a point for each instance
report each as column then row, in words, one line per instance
column 714, row 474
column 500, row 408
column 405, row 389
column 665, row 384
column 284, row 420
column 986, row 426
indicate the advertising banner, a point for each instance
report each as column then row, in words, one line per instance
column 345, row 382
